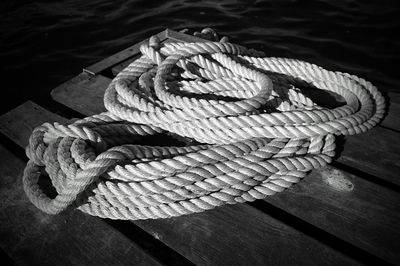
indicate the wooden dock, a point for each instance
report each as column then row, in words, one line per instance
column 346, row 213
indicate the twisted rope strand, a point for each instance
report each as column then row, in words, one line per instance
column 261, row 133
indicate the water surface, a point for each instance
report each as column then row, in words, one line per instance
column 44, row 43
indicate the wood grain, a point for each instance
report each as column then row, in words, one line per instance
column 392, row 119
column 83, row 93
column 376, row 152
column 17, row 124
column 349, row 207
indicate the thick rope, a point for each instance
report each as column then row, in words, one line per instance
column 261, row 133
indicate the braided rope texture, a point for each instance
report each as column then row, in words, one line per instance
column 258, row 133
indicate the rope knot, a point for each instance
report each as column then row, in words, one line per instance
column 154, row 42
column 36, row 148
column 151, row 51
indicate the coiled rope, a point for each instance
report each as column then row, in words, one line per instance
column 260, row 133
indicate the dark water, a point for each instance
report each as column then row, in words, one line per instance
column 43, row 43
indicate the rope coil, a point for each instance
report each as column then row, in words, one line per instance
column 260, row 133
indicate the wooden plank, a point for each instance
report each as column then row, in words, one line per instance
column 392, row 120
column 237, row 234
column 31, row 237
column 376, row 152
column 182, row 37
column 349, row 207
column 367, row 241
column 85, row 87
column 118, row 57
column 17, row 126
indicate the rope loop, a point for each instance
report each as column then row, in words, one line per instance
column 253, row 123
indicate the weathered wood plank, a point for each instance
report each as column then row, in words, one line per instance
column 85, row 87
column 349, row 207
column 226, row 236
column 237, row 234
column 367, row 241
column 376, row 152
column 31, row 237
column 392, row 120
column 182, row 37
column 17, row 125
column 118, row 57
